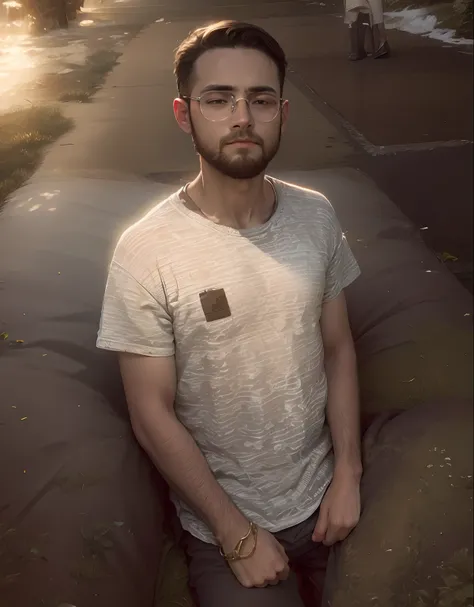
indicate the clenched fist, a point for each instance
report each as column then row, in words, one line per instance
column 267, row 566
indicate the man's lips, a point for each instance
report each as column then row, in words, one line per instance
column 243, row 142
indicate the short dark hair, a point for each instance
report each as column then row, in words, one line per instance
column 225, row 34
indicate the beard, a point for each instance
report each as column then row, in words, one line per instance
column 242, row 165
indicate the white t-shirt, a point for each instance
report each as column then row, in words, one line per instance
column 240, row 310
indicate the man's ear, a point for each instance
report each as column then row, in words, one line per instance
column 285, row 110
column 181, row 113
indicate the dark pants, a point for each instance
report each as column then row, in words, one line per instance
column 215, row 585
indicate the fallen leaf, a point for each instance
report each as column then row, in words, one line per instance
column 23, row 419
column 445, row 256
column 408, row 381
column 4, row 336
column 20, row 341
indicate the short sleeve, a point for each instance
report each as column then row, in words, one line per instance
column 134, row 319
column 342, row 268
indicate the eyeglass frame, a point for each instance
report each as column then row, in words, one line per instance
column 281, row 100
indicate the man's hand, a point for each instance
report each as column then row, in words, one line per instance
column 268, row 564
column 339, row 512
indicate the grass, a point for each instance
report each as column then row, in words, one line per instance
column 23, row 136
column 25, row 133
column 84, row 81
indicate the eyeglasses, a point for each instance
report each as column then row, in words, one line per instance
column 216, row 106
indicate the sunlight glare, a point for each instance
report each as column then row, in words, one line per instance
column 12, row 4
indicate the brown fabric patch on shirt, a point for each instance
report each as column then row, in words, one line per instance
column 214, row 304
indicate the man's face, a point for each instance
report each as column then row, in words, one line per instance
column 242, row 145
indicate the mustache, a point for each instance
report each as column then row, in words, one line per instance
column 241, row 137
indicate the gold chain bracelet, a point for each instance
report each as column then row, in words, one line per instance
column 236, row 555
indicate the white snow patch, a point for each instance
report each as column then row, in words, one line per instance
column 421, row 21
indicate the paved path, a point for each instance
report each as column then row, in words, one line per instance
column 406, row 122
column 57, row 234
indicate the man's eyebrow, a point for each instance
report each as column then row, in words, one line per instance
column 232, row 89
column 218, row 87
column 261, row 89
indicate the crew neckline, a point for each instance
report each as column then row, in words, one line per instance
column 179, row 204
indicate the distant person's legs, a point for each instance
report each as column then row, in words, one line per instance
column 368, row 36
column 357, row 34
column 381, row 47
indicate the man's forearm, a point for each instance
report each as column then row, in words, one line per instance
column 343, row 408
column 184, row 467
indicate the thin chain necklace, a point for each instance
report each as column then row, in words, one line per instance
column 195, row 207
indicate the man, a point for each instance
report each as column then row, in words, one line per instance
column 226, row 304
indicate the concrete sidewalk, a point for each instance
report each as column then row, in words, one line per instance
column 64, row 416
column 422, row 95
column 404, row 122
column 411, row 115
column 131, row 129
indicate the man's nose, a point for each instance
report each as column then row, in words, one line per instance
column 242, row 115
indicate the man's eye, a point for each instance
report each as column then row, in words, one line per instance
column 264, row 101
column 216, row 101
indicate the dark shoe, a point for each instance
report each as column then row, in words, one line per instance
column 357, row 56
column 383, row 52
